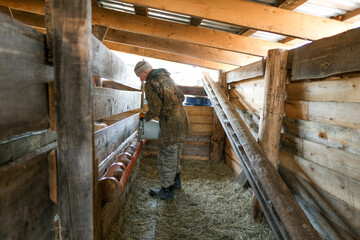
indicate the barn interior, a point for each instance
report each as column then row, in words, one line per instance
column 275, row 127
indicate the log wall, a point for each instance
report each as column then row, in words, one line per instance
column 319, row 157
column 197, row 144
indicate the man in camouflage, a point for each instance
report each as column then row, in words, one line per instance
column 164, row 100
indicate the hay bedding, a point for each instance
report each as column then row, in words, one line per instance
column 210, row 205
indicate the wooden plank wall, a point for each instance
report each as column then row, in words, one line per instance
column 320, row 154
column 197, row 144
column 320, row 143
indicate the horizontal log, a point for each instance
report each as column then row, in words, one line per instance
column 108, row 139
column 108, row 102
column 116, row 85
column 107, row 65
column 24, row 77
column 26, row 209
column 333, row 218
column 253, row 70
column 201, row 119
column 328, row 56
column 334, row 90
column 336, row 113
column 327, row 134
column 201, row 128
column 246, row 92
column 12, row 149
column 250, row 83
column 336, row 160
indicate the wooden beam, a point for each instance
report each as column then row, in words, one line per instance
column 99, row 31
column 159, row 28
column 273, row 106
column 167, row 56
column 256, row 69
column 291, row 4
column 141, row 11
column 194, row 21
column 253, row 15
column 352, row 17
column 109, row 138
column 180, row 47
column 76, row 180
column 108, row 102
column 338, row 54
column 6, row 11
column 202, row 36
column 24, row 77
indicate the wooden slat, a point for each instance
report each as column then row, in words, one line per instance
column 253, row 15
column 77, row 171
column 108, row 102
column 201, row 128
column 153, row 154
column 207, row 119
column 99, row 31
column 12, row 149
column 328, row 56
column 106, row 64
column 116, row 85
column 273, row 106
column 179, row 47
column 26, row 209
column 256, row 69
column 24, row 74
column 330, row 135
column 6, row 11
column 247, row 91
column 336, row 184
column 198, row 110
column 108, row 139
column 334, row 159
column 336, row 113
column 333, row 218
column 352, row 17
column 334, row 90
column 168, row 56
column 248, row 104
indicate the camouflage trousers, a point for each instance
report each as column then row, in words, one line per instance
column 168, row 163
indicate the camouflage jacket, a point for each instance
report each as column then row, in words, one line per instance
column 164, row 100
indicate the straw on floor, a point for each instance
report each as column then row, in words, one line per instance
column 210, row 205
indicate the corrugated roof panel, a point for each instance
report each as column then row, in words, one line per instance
column 327, row 8
column 268, row 36
column 205, row 23
column 118, row 6
column 169, row 16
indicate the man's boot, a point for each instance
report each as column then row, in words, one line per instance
column 162, row 193
column 177, row 183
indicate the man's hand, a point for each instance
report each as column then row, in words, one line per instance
column 142, row 116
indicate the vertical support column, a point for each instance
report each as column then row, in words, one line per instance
column 272, row 112
column 273, row 106
column 71, row 23
column 217, row 144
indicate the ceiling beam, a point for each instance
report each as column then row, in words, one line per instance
column 291, row 4
column 253, row 15
column 180, row 48
column 352, row 17
column 167, row 56
column 162, row 29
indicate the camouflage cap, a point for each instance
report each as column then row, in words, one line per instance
column 141, row 67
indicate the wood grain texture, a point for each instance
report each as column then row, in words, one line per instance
column 327, row 56
column 71, row 23
column 107, row 65
column 108, row 139
column 108, row 102
column 12, row 149
column 26, row 209
column 273, row 106
column 333, row 218
column 24, row 74
column 252, row 70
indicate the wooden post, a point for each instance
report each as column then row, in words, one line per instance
column 272, row 112
column 71, row 22
column 217, row 144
